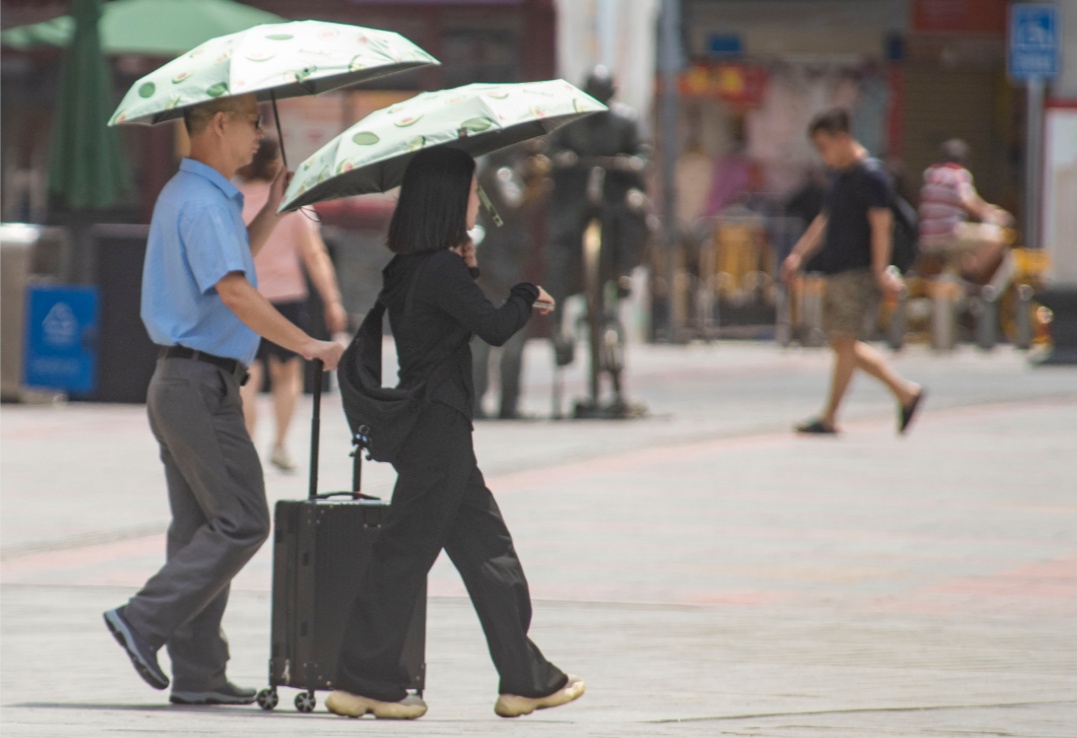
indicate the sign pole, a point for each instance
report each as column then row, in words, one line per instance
column 1034, row 94
column 1034, row 56
column 669, row 63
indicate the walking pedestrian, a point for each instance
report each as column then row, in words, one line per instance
column 441, row 500
column 295, row 244
column 201, row 305
column 854, row 233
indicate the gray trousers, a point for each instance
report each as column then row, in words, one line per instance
column 510, row 365
column 220, row 517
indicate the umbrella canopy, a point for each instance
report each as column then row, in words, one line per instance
column 147, row 27
column 87, row 168
column 274, row 61
column 371, row 155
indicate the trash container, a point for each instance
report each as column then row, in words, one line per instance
column 29, row 254
column 126, row 356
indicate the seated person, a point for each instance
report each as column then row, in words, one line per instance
column 948, row 200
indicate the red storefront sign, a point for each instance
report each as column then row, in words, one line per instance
column 959, row 16
column 740, row 84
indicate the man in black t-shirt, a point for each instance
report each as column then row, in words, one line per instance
column 854, row 230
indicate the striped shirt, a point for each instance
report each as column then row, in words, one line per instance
column 944, row 190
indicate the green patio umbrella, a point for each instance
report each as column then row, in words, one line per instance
column 87, row 168
column 147, row 27
column 480, row 118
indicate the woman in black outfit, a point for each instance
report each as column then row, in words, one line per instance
column 440, row 499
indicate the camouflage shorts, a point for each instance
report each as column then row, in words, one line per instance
column 850, row 302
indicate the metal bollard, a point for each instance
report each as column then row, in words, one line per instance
column 944, row 314
column 783, row 327
column 986, row 307
column 1022, row 336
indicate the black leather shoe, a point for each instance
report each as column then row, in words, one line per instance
column 229, row 694
column 143, row 658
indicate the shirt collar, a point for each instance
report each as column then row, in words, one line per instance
column 196, row 167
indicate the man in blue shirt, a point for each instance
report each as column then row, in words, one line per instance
column 855, row 234
column 200, row 303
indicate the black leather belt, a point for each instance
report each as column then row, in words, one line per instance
column 235, row 367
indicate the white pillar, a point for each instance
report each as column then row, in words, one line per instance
column 618, row 33
column 1060, row 165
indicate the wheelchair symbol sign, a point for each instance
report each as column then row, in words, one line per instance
column 1034, row 46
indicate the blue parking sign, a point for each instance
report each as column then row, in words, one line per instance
column 60, row 351
column 1035, row 45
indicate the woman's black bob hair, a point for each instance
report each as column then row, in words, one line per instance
column 432, row 211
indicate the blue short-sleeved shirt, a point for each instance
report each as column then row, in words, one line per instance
column 197, row 236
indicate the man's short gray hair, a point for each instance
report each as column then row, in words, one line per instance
column 197, row 117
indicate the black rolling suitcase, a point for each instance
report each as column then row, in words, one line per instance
column 321, row 547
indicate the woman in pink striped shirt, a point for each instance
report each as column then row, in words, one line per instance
column 948, row 199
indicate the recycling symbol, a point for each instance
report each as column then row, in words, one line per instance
column 61, row 328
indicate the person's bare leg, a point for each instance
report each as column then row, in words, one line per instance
column 872, row 362
column 844, row 348
column 287, row 385
column 980, row 263
column 249, row 394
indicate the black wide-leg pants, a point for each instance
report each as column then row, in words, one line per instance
column 441, row 501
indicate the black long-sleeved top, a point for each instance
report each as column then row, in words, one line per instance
column 448, row 309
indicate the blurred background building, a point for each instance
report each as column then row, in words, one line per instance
column 750, row 74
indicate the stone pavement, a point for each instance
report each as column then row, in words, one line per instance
column 708, row 572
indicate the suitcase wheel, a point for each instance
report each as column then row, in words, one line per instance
column 305, row 702
column 267, row 698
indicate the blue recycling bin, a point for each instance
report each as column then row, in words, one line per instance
column 60, row 347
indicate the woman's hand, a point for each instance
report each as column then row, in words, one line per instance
column 336, row 319
column 544, row 304
column 466, row 251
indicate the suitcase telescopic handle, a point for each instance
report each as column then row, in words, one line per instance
column 315, row 427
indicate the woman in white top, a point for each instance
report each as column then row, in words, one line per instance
column 295, row 245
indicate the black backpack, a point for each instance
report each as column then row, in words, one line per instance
column 906, row 235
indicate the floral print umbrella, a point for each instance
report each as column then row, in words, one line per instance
column 371, row 155
column 274, row 61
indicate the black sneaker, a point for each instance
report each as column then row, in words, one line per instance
column 143, row 658
column 229, row 694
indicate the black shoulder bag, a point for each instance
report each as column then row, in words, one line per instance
column 380, row 418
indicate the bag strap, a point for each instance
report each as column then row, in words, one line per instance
column 373, row 329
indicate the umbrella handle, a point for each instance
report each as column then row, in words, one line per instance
column 280, row 136
column 485, row 200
